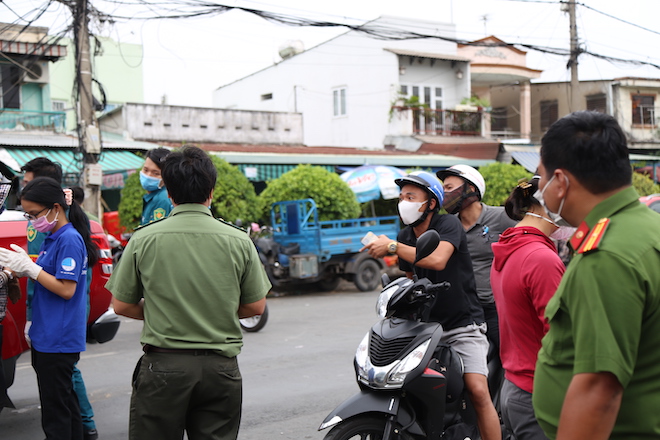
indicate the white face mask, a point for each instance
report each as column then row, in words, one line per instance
column 556, row 218
column 563, row 233
column 409, row 211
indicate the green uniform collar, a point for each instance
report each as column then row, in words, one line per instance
column 191, row 207
column 612, row 205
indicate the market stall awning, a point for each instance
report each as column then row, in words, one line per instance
column 116, row 165
column 528, row 159
column 266, row 172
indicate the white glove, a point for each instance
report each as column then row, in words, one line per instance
column 19, row 261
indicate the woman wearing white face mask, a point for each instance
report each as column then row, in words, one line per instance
column 59, row 305
column 156, row 203
column 525, row 273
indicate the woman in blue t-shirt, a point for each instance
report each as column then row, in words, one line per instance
column 59, row 305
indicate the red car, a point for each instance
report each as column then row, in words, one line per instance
column 652, row 201
column 102, row 324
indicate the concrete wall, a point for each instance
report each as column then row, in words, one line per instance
column 149, row 122
column 503, row 55
column 18, row 32
column 305, row 83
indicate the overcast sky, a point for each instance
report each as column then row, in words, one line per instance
column 186, row 59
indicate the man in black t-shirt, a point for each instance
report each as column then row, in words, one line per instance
column 457, row 309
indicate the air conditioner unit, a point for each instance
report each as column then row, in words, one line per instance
column 36, row 72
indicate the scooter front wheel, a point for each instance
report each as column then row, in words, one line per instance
column 363, row 428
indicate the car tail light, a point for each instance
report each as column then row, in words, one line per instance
column 106, row 269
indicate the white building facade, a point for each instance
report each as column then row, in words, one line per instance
column 346, row 88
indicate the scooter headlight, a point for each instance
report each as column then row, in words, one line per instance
column 362, row 356
column 409, row 363
column 384, row 300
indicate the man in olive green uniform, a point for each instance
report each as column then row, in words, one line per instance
column 598, row 372
column 190, row 277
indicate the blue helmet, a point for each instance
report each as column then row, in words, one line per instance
column 427, row 181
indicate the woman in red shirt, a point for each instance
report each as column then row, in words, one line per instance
column 525, row 273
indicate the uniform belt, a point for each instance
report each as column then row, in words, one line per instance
column 194, row 351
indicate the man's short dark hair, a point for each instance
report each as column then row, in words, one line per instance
column 592, row 147
column 157, row 156
column 43, row 167
column 189, row 175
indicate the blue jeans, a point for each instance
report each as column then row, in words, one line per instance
column 86, row 411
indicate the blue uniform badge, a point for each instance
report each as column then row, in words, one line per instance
column 68, row 264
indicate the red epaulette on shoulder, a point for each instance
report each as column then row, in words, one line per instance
column 594, row 237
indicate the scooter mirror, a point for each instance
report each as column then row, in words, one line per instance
column 426, row 244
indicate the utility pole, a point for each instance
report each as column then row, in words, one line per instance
column 88, row 132
column 575, row 103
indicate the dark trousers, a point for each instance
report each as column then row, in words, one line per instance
column 60, row 413
column 495, row 371
column 518, row 413
column 177, row 392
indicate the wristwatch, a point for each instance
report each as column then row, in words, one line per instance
column 391, row 248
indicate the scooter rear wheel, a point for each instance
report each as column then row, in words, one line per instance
column 363, row 428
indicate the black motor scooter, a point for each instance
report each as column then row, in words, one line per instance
column 411, row 387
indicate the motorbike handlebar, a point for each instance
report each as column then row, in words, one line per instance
column 445, row 285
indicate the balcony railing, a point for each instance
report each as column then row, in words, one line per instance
column 442, row 122
column 15, row 119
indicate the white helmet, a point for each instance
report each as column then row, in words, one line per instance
column 468, row 173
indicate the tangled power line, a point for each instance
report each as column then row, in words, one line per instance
column 180, row 9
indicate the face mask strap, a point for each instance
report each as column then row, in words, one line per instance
column 563, row 199
column 420, row 220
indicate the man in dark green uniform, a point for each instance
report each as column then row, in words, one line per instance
column 598, row 372
column 156, row 204
column 190, row 277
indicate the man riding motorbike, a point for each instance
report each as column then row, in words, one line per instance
column 458, row 308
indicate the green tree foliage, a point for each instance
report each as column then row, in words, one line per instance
column 644, row 184
column 130, row 204
column 379, row 208
column 234, row 197
column 334, row 199
column 500, row 179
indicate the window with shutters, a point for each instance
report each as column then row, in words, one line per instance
column 643, row 110
column 59, row 106
column 339, row 102
column 10, row 86
column 549, row 112
column 597, row 103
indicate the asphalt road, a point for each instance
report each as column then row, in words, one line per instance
column 295, row 370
